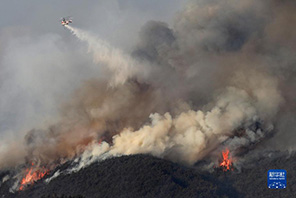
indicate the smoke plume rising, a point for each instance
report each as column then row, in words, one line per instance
column 220, row 77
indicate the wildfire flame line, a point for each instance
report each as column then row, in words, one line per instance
column 32, row 176
column 226, row 164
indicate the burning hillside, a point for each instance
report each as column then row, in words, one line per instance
column 226, row 163
column 210, row 91
column 147, row 176
column 32, row 175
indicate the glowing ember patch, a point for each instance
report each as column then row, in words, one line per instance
column 32, row 175
column 226, row 164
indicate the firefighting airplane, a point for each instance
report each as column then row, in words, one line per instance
column 66, row 20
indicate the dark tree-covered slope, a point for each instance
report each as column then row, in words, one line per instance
column 147, row 176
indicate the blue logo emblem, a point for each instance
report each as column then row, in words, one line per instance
column 277, row 179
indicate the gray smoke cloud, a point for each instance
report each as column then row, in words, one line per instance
column 220, row 76
column 41, row 64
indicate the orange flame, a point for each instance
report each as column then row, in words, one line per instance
column 226, row 164
column 32, row 176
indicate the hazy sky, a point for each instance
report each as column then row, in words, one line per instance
column 115, row 20
column 41, row 62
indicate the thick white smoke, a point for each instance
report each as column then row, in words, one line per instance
column 214, row 81
column 192, row 135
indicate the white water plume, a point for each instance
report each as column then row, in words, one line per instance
column 122, row 65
